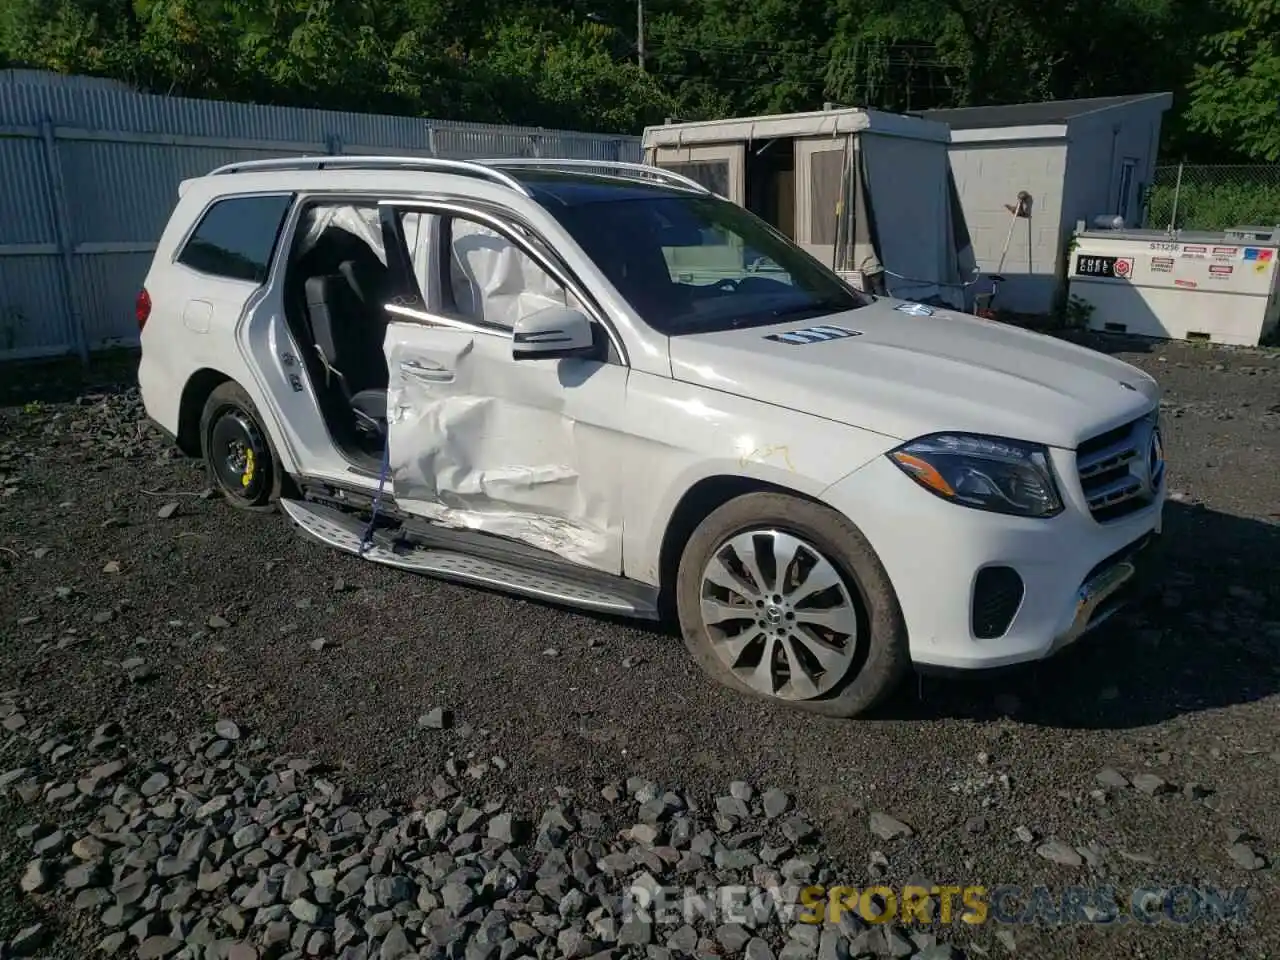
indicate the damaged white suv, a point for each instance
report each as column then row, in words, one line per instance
column 602, row 385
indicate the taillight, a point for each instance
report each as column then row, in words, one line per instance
column 142, row 307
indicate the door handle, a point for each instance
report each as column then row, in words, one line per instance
column 421, row 371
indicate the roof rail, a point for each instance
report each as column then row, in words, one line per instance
column 354, row 162
column 549, row 163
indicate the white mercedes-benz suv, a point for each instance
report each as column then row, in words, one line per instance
column 602, row 385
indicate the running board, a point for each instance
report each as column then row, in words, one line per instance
column 589, row 590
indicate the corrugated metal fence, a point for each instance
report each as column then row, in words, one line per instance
column 89, row 173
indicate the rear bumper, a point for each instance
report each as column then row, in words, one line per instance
column 161, row 393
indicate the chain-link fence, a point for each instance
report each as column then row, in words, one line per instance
column 1214, row 197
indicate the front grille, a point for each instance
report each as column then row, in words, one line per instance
column 1121, row 470
column 997, row 594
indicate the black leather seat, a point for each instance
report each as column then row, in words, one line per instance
column 348, row 323
column 370, row 403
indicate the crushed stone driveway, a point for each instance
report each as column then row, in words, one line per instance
column 128, row 597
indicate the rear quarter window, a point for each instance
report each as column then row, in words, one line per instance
column 236, row 237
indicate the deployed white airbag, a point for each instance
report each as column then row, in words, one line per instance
column 494, row 280
column 361, row 221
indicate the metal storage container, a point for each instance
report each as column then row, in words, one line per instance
column 1220, row 287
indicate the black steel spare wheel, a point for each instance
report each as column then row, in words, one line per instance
column 236, row 450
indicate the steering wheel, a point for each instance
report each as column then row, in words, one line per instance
column 728, row 284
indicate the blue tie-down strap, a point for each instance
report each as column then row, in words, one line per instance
column 367, row 540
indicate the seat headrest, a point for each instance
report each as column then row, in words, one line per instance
column 337, row 240
column 366, row 280
column 325, row 289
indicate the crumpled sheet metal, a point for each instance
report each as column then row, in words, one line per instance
column 463, row 458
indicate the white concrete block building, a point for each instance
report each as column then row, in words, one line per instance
column 1076, row 159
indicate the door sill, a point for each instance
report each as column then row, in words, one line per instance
column 465, row 556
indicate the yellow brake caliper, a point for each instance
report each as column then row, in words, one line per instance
column 246, row 478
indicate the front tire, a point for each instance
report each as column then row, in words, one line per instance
column 238, row 455
column 784, row 599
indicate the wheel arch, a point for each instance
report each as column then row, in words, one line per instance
column 694, row 506
column 194, row 396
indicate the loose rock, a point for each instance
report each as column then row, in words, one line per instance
column 1059, row 852
column 1150, row 784
column 1110, row 777
column 437, row 718
column 1245, row 857
column 888, row 828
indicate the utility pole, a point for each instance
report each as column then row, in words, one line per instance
column 640, row 32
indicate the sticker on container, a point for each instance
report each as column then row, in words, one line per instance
column 1195, row 253
column 1228, row 253
column 1162, row 264
column 1260, row 257
column 1189, row 284
column 1113, row 267
column 1220, row 270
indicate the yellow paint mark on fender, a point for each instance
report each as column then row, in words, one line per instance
column 764, row 454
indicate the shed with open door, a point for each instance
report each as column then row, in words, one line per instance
column 868, row 193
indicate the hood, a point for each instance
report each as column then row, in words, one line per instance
column 906, row 375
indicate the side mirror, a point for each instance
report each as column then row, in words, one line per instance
column 552, row 334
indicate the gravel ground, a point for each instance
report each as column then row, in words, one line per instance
column 396, row 781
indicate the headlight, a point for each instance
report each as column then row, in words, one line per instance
column 987, row 473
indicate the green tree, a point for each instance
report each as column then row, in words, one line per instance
column 573, row 63
column 68, row 36
column 557, row 76
column 1235, row 94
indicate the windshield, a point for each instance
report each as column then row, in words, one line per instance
column 699, row 264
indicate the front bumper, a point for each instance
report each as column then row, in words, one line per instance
column 1117, row 581
column 1076, row 573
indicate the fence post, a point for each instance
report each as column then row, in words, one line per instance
column 431, row 139
column 1177, row 189
column 62, row 233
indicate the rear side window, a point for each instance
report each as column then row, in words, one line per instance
column 236, row 237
